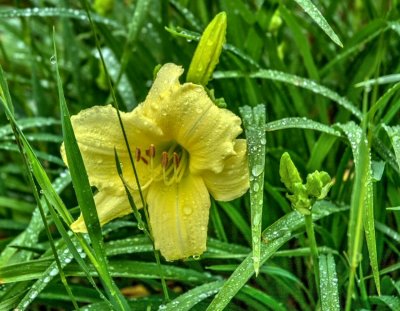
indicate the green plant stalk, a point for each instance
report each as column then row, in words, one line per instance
column 313, row 248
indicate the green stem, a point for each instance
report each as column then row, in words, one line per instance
column 313, row 248
column 350, row 288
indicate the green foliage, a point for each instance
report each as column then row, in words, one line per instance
column 316, row 79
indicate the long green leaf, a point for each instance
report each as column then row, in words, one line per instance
column 300, row 123
column 254, row 121
column 319, row 19
column 362, row 208
column 294, row 80
column 328, row 283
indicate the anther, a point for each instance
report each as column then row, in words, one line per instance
column 152, row 151
column 176, row 160
column 164, row 159
column 137, row 154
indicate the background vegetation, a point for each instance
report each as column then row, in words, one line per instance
column 332, row 108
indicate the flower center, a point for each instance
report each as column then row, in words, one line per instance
column 169, row 163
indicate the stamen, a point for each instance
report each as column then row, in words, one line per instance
column 176, row 160
column 152, row 151
column 164, row 160
column 137, row 154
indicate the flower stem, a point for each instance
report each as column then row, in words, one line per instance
column 313, row 248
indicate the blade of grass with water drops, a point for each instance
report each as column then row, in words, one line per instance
column 254, row 123
column 381, row 80
column 192, row 297
column 266, row 300
column 28, row 123
column 392, row 302
column 394, row 135
column 328, row 283
column 57, row 12
column 274, row 237
column 362, row 207
column 382, row 102
column 84, row 196
column 294, row 80
column 319, row 19
column 300, row 123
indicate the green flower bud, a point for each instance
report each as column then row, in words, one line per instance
column 102, row 7
column 207, row 53
column 318, row 184
column 289, row 174
column 276, row 22
column 302, row 195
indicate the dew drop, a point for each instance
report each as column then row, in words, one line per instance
column 187, row 210
column 257, row 170
column 256, row 187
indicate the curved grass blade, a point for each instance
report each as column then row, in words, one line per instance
column 57, row 12
column 41, row 155
column 394, row 135
column 64, row 257
column 362, row 207
column 266, row 300
column 328, row 283
column 319, row 19
column 300, row 123
column 192, row 297
column 187, row 14
column 136, row 244
column 274, row 237
column 381, row 103
column 294, row 80
column 26, row 123
column 254, row 123
column 392, row 302
column 381, row 80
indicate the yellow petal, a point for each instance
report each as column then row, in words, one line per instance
column 167, row 79
column 187, row 115
column 179, row 217
column 98, row 132
column 110, row 203
column 233, row 181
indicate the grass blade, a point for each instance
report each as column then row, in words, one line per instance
column 254, row 123
column 328, row 283
column 361, row 212
column 192, row 297
column 300, row 123
column 319, row 19
column 84, row 195
column 294, row 80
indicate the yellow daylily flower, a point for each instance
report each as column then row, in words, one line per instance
column 185, row 149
